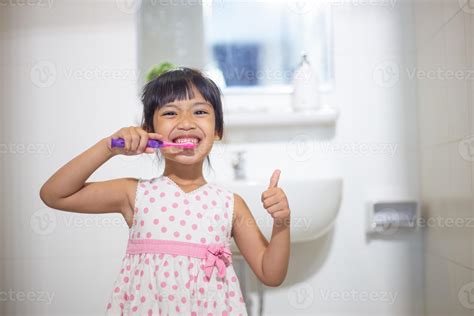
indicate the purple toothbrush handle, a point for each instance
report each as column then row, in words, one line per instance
column 120, row 142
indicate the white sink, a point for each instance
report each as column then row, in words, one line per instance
column 314, row 204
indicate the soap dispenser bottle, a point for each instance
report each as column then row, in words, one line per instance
column 306, row 87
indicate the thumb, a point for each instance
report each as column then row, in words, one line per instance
column 274, row 179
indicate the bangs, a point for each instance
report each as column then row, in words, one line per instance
column 173, row 90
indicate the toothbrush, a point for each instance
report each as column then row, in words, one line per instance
column 154, row 143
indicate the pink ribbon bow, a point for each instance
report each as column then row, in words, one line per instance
column 217, row 256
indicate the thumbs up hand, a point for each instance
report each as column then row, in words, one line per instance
column 274, row 199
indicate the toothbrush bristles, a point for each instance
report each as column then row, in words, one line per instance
column 186, row 145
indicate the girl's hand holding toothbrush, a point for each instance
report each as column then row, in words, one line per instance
column 275, row 201
column 135, row 141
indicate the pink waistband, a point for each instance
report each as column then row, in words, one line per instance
column 216, row 254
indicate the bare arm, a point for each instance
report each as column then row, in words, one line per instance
column 277, row 255
column 269, row 261
column 68, row 190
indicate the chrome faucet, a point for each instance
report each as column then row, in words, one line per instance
column 238, row 163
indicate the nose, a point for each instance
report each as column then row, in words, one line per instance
column 186, row 122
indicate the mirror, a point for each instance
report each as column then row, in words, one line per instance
column 242, row 45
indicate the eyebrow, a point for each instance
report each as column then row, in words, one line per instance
column 194, row 104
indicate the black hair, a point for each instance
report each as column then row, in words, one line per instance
column 177, row 84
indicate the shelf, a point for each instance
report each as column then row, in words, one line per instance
column 325, row 116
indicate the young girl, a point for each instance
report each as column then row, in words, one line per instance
column 178, row 259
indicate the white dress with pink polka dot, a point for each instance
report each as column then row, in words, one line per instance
column 178, row 259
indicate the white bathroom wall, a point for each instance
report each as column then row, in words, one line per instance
column 68, row 78
column 3, row 237
column 58, row 92
column 445, row 29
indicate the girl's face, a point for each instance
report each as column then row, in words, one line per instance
column 193, row 118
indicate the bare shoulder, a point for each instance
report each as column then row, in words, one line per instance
column 130, row 185
column 241, row 211
column 239, row 206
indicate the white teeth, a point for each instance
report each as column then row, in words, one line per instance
column 186, row 140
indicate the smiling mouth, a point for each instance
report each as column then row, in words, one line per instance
column 194, row 140
column 181, row 139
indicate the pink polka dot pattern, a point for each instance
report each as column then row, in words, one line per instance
column 168, row 284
